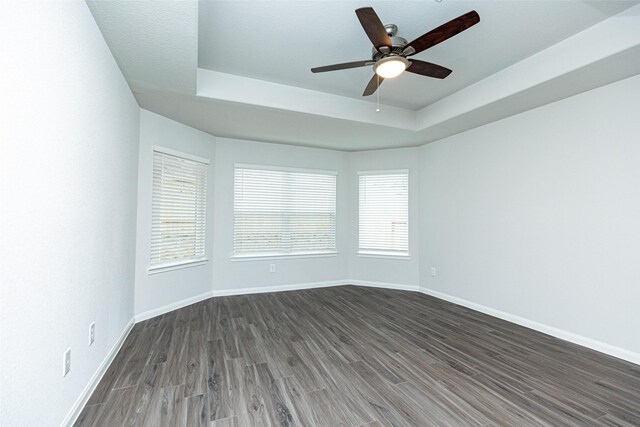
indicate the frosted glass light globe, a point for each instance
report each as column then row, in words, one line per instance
column 391, row 66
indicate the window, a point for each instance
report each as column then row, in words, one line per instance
column 178, row 210
column 384, row 213
column 281, row 211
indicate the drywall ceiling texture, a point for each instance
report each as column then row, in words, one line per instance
column 254, row 57
column 537, row 216
column 154, row 42
column 68, row 171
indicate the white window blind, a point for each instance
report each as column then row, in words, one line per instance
column 283, row 212
column 384, row 212
column 178, row 211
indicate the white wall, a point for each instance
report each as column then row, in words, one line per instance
column 380, row 269
column 68, row 168
column 228, row 274
column 538, row 215
column 159, row 292
column 165, row 288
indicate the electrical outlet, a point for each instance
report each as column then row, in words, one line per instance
column 272, row 268
column 433, row 271
column 92, row 332
column 66, row 362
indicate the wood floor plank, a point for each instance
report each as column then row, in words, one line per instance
column 498, row 411
column 228, row 422
column 196, row 364
column 325, row 410
column 148, row 390
column 417, row 406
column 613, row 421
column 254, row 412
column 176, row 364
column 296, row 401
column 241, row 396
column 161, row 342
column 171, row 410
column 88, row 416
column 304, row 368
column 218, row 381
column 114, row 411
column 354, row 356
column 212, row 317
column 277, row 409
column 544, row 415
column 345, row 388
column 228, row 335
column 248, row 346
column 198, row 411
column 132, row 369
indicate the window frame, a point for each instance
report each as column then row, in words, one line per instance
column 256, row 256
column 176, row 264
column 388, row 254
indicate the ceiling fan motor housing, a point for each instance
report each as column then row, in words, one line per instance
column 397, row 44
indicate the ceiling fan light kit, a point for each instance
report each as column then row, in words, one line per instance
column 390, row 52
column 391, row 66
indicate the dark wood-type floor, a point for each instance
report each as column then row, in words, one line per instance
column 351, row 356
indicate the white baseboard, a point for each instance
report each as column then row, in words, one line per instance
column 266, row 289
column 277, row 288
column 173, row 306
column 75, row 411
column 385, row 285
column 600, row 346
column 228, row 292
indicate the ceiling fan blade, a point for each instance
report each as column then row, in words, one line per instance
column 343, row 66
column 373, row 85
column 373, row 27
column 443, row 32
column 428, row 69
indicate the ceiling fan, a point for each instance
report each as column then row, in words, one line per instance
column 390, row 52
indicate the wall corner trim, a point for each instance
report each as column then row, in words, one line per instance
column 580, row 340
column 77, row 407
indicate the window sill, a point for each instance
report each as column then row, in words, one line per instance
column 161, row 268
column 282, row 256
column 406, row 257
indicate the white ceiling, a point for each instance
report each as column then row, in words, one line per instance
column 240, row 69
column 279, row 41
column 154, row 42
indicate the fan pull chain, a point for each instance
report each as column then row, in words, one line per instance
column 378, row 93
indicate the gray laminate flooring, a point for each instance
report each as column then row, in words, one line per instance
column 353, row 356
